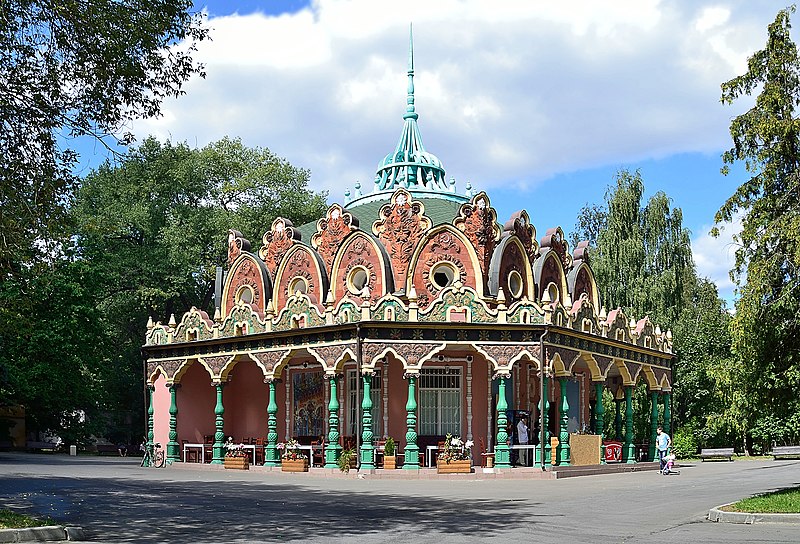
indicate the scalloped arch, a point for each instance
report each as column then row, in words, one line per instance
column 428, row 238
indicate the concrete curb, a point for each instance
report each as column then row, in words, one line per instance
column 49, row 533
column 716, row 514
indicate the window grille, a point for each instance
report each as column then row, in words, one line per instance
column 440, row 401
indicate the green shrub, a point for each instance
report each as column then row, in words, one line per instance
column 389, row 447
column 347, row 460
column 684, row 443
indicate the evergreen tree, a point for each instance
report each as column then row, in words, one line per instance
column 766, row 326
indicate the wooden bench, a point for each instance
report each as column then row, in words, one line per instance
column 107, row 449
column 40, row 446
column 716, row 453
column 786, row 452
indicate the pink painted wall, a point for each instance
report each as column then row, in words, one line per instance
column 161, row 415
column 245, row 398
column 398, row 396
column 196, row 399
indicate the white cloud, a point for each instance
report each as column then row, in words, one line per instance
column 716, row 257
column 517, row 90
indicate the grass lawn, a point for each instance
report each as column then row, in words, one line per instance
column 785, row 501
column 13, row 520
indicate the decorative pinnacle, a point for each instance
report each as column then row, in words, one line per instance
column 410, row 113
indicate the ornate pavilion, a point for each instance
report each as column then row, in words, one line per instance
column 408, row 312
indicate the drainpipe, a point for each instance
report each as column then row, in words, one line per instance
column 358, row 396
column 542, row 403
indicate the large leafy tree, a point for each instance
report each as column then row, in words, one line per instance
column 643, row 254
column 766, row 325
column 72, row 68
column 153, row 229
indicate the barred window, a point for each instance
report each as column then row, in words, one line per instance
column 440, row 401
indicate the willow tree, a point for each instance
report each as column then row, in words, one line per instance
column 766, row 138
column 643, row 254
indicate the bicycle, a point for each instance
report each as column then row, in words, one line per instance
column 153, row 457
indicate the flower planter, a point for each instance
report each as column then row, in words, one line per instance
column 389, row 462
column 294, row 465
column 238, row 463
column 459, row 466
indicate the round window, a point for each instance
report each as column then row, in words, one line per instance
column 357, row 280
column 552, row 290
column 298, row 284
column 515, row 283
column 443, row 275
column 244, row 295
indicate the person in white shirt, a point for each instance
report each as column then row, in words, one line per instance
column 522, row 438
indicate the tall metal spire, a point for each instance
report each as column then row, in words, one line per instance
column 410, row 113
column 409, row 166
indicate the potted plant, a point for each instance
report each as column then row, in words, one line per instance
column 456, row 457
column 291, row 458
column 235, row 456
column 389, row 459
column 347, row 460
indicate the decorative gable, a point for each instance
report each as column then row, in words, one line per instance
column 331, row 230
column 277, row 242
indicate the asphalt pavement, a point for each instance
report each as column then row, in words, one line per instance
column 116, row 501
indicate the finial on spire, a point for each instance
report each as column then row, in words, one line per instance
column 410, row 113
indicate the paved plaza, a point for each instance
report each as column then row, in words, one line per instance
column 116, row 501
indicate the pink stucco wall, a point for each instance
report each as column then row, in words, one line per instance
column 196, row 399
column 245, row 398
column 161, row 402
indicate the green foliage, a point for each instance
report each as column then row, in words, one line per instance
column 347, row 460
column 684, row 443
column 74, row 69
column 767, row 321
column 13, row 520
column 783, row 501
column 643, row 255
column 154, row 228
column 389, row 447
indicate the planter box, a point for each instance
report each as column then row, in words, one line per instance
column 460, row 466
column 238, row 463
column 294, row 465
column 390, row 462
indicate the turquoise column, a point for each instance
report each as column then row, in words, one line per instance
column 219, row 436
column 173, row 448
column 667, row 414
column 653, row 425
column 271, row 458
column 628, row 449
column 367, row 448
column 618, row 421
column 150, row 432
column 563, row 451
column 333, row 448
column 599, row 423
column 544, row 408
column 502, row 454
column 411, row 461
column 548, row 454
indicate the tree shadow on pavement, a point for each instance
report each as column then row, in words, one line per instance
column 169, row 511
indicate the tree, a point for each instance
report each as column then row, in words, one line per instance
column 643, row 254
column 75, row 68
column 592, row 220
column 153, row 228
column 767, row 323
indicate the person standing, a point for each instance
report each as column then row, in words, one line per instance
column 663, row 443
column 522, row 438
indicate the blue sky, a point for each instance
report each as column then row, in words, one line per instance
column 539, row 104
